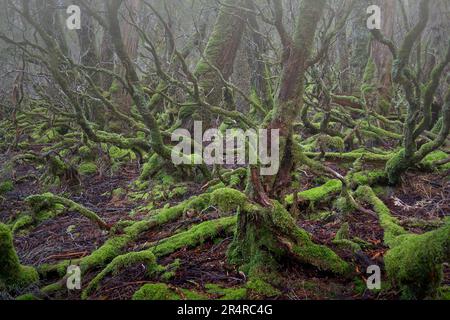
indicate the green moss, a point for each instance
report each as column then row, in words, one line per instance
column 415, row 262
column 117, row 154
column 226, row 293
column 150, row 167
column 178, row 192
column 27, row 297
column 320, row 215
column 352, row 156
column 367, row 177
column 343, row 205
column 227, row 199
column 360, row 286
column 108, row 251
column 198, row 234
column 343, row 232
column 161, row 291
column 119, row 193
column 369, row 72
column 396, row 166
column 87, row 168
column 86, row 153
column 115, row 87
column 429, row 161
column 317, row 194
column 390, row 224
column 444, row 293
column 13, row 275
column 45, row 204
column 54, row 287
column 266, row 235
column 6, row 186
column 328, row 142
column 342, row 238
column 259, row 287
column 145, row 258
column 198, row 204
column 23, row 221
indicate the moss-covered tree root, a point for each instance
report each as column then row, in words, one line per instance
column 113, row 247
column 265, row 236
column 195, row 236
column 49, row 199
column 414, row 262
column 13, row 275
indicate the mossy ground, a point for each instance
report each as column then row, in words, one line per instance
column 190, row 229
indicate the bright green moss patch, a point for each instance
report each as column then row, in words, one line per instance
column 156, row 291
column 87, row 168
column 27, row 297
column 342, row 238
column 389, row 223
column 227, row 199
column 13, row 275
column 22, row 222
column 117, row 154
column 108, row 251
column 161, row 291
column 86, row 153
column 430, row 159
column 41, row 203
column 259, row 287
column 198, row 234
column 352, row 156
column 331, row 143
column 444, row 293
column 317, row 194
column 226, row 293
column 6, row 186
column 146, row 258
column 367, row 177
column 415, row 263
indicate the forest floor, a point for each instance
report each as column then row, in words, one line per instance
column 422, row 196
